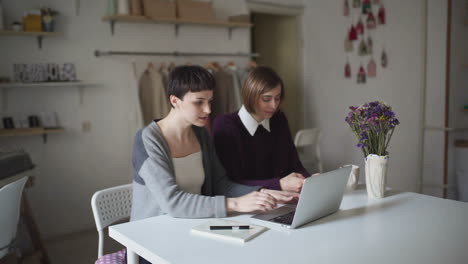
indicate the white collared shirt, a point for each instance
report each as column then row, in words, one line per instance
column 250, row 123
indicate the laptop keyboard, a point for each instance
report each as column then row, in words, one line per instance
column 284, row 219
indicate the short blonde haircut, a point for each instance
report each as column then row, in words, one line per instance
column 259, row 81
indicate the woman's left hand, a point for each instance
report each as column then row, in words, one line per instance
column 282, row 196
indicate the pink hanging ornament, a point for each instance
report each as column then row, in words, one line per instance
column 384, row 59
column 360, row 27
column 370, row 21
column 381, row 15
column 366, row 7
column 352, row 33
column 347, row 70
column 371, row 69
column 356, row 3
column 346, row 8
column 361, row 76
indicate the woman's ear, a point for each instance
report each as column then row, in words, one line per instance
column 174, row 101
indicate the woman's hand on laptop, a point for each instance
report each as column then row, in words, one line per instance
column 253, row 202
column 282, row 197
column 292, row 183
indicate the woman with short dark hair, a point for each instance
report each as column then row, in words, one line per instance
column 176, row 170
column 255, row 144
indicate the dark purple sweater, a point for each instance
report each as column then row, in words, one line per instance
column 259, row 160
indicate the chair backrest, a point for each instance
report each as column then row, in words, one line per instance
column 109, row 206
column 10, row 202
column 306, row 141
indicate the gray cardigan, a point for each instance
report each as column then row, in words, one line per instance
column 155, row 191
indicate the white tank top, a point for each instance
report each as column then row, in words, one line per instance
column 189, row 173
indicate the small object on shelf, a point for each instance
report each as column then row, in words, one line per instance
column 159, row 9
column 17, row 26
column 68, row 72
column 8, row 122
column 136, row 8
column 33, row 121
column 111, row 7
column 195, row 10
column 32, row 21
column 2, row 25
column 48, row 19
column 123, row 7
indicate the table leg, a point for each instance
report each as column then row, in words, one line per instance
column 132, row 257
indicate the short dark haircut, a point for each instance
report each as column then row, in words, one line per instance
column 259, row 81
column 190, row 78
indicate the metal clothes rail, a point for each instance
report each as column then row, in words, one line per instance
column 99, row 53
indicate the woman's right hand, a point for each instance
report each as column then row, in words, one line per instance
column 292, row 183
column 252, row 202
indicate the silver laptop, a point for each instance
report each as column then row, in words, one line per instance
column 321, row 195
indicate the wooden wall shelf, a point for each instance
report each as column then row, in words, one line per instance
column 31, row 132
column 175, row 21
column 38, row 35
column 461, row 143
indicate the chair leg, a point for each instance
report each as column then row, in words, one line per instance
column 31, row 225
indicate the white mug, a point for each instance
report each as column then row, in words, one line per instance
column 353, row 176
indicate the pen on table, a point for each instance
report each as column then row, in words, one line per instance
column 229, row 227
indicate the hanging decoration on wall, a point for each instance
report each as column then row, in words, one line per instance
column 362, row 51
column 361, row 76
column 366, row 7
column 364, row 17
column 348, row 45
column 345, row 8
column 384, row 59
column 347, row 70
column 360, row 27
column 371, row 68
column 352, row 33
column 370, row 45
column 370, row 21
column 381, row 15
column 356, row 3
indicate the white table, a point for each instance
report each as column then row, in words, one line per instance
column 401, row 228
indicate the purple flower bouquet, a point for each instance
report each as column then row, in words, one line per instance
column 373, row 123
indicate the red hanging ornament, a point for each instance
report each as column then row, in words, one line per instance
column 361, row 76
column 384, row 59
column 360, row 27
column 352, row 33
column 347, row 70
column 370, row 21
column 371, row 68
column 346, row 8
column 366, row 7
column 381, row 15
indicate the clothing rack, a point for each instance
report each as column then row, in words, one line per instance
column 99, row 53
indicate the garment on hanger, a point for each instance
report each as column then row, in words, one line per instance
column 223, row 99
column 152, row 95
column 236, row 88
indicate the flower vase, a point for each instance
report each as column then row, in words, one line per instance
column 376, row 175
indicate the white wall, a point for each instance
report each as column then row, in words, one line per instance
column 73, row 165
column 328, row 93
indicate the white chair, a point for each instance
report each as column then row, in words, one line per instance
column 109, row 206
column 10, row 203
column 307, row 144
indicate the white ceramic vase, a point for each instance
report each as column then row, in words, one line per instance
column 376, row 175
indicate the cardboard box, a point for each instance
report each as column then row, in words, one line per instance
column 32, row 23
column 239, row 19
column 193, row 10
column 159, row 9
